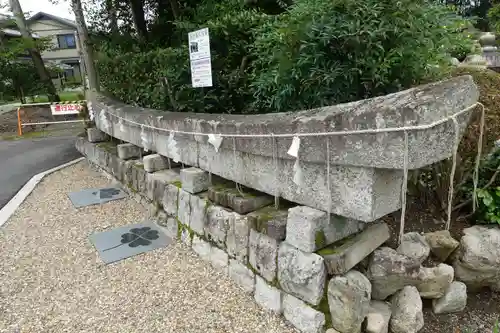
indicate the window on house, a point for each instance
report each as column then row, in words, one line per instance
column 66, row 41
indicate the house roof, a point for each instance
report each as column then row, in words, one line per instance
column 41, row 15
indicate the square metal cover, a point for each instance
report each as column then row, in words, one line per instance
column 127, row 241
column 95, row 196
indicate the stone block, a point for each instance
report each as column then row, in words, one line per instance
column 441, row 243
column 269, row 221
column 302, row 316
column 242, row 275
column 127, row 151
column 268, row 297
column 184, row 212
column 219, row 259
column 199, row 208
column 301, row 274
column 170, row 200
column 407, row 315
column 217, row 225
column 414, row 245
column 96, row 135
column 238, row 233
column 168, row 224
column 454, row 299
column 242, row 202
column 194, row 180
column 186, row 237
column 435, row 281
column 154, row 162
column 157, row 182
column 263, row 254
column 201, row 248
column 342, row 256
column 378, row 318
column 349, row 301
column 309, row 229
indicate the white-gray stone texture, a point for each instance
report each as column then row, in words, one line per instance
column 263, row 254
column 127, row 151
column 242, row 275
column 194, row 180
column 302, row 316
column 268, row 297
column 154, row 162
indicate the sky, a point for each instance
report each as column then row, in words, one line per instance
column 62, row 9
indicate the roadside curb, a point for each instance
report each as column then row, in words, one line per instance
column 11, row 206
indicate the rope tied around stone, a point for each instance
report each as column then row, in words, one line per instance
column 275, row 162
column 451, row 188
column 404, row 187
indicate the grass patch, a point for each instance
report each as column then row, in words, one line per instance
column 65, row 96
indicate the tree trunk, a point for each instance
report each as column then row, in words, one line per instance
column 113, row 21
column 43, row 73
column 175, row 9
column 138, row 16
column 85, row 46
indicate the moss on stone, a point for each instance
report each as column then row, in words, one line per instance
column 324, row 308
column 337, row 246
column 139, row 165
column 320, row 239
column 131, row 187
column 179, row 229
column 107, row 146
column 177, row 183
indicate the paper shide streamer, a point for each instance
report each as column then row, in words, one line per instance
column 144, row 139
column 297, row 170
column 173, row 151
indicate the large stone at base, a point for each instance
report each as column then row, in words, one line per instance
column 407, row 316
column 301, row 274
column 340, row 258
column 349, row 301
column 184, row 207
column 263, row 254
column 201, row 248
column 415, row 246
column 170, row 200
column 309, row 229
column 435, row 281
column 219, row 259
column 378, row 318
column 389, row 271
column 194, row 180
column 477, row 261
column 268, row 297
column 242, row 275
column 238, row 233
column 441, row 243
column 217, row 225
column 199, row 208
column 454, row 299
column 302, row 316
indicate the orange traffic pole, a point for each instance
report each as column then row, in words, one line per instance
column 19, row 127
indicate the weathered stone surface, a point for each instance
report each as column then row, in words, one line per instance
column 407, row 316
column 194, row 180
column 154, row 162
column 219, row 259
column 340, row 258
column 454, row 299
column 269, row 221
column 332, row 330
column 366, row 179
column 170, row 200
column 302, row 316
column 263, row 254
column 201, row 248
column 242, row 275
column 158, row 181
column 379, row 315
column 415, row 246
column 95, row 135
column 199, row 210
column 186, row 237
column 217, row 225
column 127, row 151
column 349, row 301
column 301, row 274
column 238, row 234
column 435, row 281
column 241, row 202
column 268, row 297
column 168, row 224
column 441, row 243
column 308, row 229
column 477, row 262
column 184, row 203
column 389, row 271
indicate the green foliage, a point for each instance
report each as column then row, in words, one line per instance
column 494, row 17
column 323, row 52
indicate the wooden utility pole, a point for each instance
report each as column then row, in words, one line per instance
column 84, row 40
column 42, row 71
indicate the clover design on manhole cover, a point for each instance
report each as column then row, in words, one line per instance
column 137, row 237
column 107, row 193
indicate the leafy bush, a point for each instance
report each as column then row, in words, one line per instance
column 324, row 52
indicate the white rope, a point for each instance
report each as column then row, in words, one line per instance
column 328, row 181
column 478, row 156
column 346, row 132
column 452, row 172
column 404, row 187
column 275, row 162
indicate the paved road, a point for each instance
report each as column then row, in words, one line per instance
column 22, row 159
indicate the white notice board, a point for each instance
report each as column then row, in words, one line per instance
column 199, row 56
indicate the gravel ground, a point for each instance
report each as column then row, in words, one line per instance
column 52, row 280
